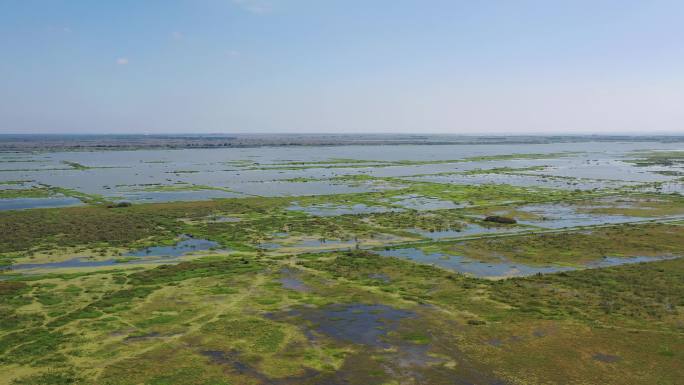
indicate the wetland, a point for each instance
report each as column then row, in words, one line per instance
column 352, row 263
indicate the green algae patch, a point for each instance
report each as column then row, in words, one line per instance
column 36, row 192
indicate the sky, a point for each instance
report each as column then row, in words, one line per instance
column 329, row 66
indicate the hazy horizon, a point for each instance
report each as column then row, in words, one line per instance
column 313, row 134
column 342, row 67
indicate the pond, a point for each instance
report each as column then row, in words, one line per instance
column 185, row 246
column 503, row 269
column 557, row 216
column 291, row 279
column 38, row 203
column 469, row 230
column 357, row 323
column 157, row 254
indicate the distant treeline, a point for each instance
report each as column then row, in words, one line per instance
column 28, row 142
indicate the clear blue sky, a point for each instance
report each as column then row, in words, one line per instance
column 147, row 66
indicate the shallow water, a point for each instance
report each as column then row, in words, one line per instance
column 227, row 168
column 557, row 216
column 329, row 210
column 505, row 268
column 605, row 168
column 71, row 263
column 355, row 323
column 469, row 266
column 290, row 279
column 176, row 196
column 421, row 203
column 525, row 181
column 608, row 358
column 38, row 203
column 223, row 219
column 470, row 229
column 185, row 246
column 379, row 277
column 617, row 261
column 158, row 254
column 674, row 187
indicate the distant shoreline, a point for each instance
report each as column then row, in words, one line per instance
column 92, row 142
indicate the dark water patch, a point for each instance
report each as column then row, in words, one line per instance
column 162, row 254
column 382, row 352
column 71, row 263
column 515, row 338
column 439, row 234
column 323, row 242
column 413, row 355
column 358, row 323
column 84, row 262
column 223, row 219
column 606, row 358
column 379, row 277
column 558, row 216
column 142, row 337
column 505, row 268
column 468, row 266
column 353, row 323
column 422, row 203
column 185, row 246
column 413, row 362
column 291, row 279
column 270, row 246
column 309, row 244
column 360, row 368
column 38, row 203
column 232, row 360
column 617, row 261
column 179, row 196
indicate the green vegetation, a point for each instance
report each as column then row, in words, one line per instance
column 36, row 192
column 76, row 166
column 15, row 182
